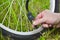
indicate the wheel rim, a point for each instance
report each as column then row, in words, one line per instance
column 52, row 7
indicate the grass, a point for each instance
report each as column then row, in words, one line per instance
column 14, row 15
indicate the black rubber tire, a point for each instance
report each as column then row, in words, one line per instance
column 20, row 37
column 57, row 6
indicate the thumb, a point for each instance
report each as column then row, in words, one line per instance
column 39, row 21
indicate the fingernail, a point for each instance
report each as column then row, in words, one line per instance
column 34, row 23
column 50, row 25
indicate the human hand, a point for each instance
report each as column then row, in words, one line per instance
column 47, row 19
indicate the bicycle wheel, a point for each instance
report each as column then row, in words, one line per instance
column 14, row 21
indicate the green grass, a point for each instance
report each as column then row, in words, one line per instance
column 14, row 15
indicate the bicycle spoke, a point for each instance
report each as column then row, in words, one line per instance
column 4, row 10
column 26, row 26
column 20, row 15
column 4, row 17
column 3, row 3
column 17, row 25
column 7, row 13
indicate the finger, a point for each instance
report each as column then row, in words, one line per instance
column 39, row 21
column 58, row 26
column 40, row 15
column 50, row 25
column 45, row 25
